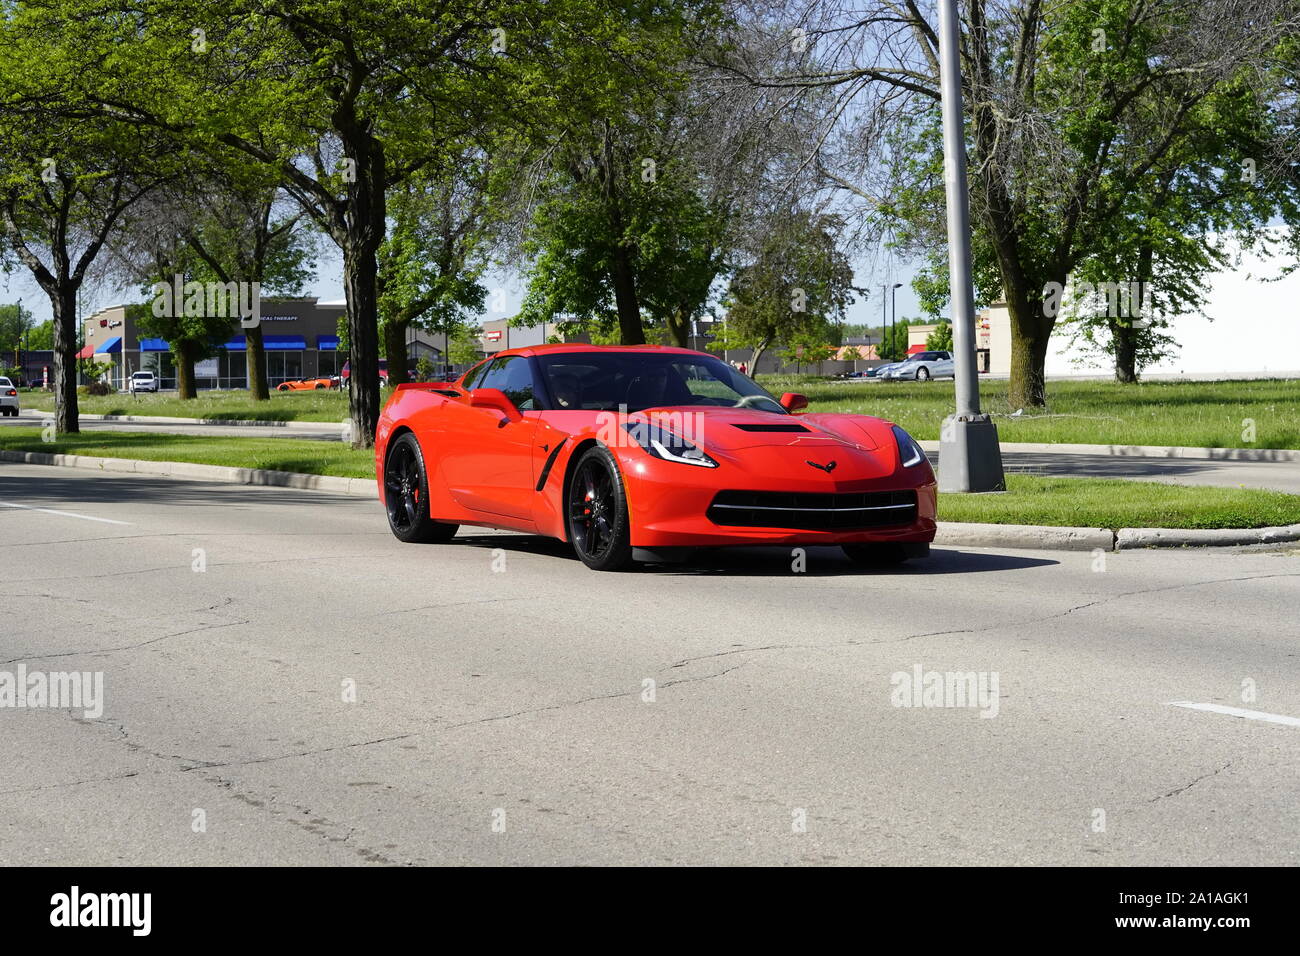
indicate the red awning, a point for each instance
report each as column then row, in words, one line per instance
column 913, row 349
column 87, row 352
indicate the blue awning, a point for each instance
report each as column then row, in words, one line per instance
column 327, row 343
column 271, row 343
column 283, row 343
column 154, row 345
column 112, row 345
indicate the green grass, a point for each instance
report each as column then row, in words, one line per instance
column 1115, row 503
column 1200, row 414
column 310, row 406
column 276, row 454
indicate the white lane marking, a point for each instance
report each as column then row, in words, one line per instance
column 1238, row 712
column 62, row 514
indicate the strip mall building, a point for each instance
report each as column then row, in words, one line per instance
column 300, row 337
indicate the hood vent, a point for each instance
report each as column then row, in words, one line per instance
column 770, row 428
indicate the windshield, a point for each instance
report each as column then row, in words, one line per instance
column 604, row 381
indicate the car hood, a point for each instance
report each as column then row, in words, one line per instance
column 732, row 429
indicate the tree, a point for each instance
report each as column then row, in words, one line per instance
column 643, row 215
column 15, row 324
column 346, row 101
column 245, row 235
column 797, row 283
column 1197, row 212
column 66, row 177
column 1052, row 93
column 940, row 340
column 41, row 338
column 432, row 260
column 464, row 348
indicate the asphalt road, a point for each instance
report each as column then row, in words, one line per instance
column 501, row 710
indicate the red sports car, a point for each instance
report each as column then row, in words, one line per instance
column 645, row 453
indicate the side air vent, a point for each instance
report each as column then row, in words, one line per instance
column 770, row 428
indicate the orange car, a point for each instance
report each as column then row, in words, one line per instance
column 308, row 385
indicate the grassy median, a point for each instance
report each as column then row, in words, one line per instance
column 276, row 454
column 308, row 406
column 1116, row 503
column 1240, row 414
column 1080, row 502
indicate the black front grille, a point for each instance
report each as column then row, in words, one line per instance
column 813, row 511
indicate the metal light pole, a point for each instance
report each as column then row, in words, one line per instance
column 970, row 458
column 893, row 310
column 884, row 316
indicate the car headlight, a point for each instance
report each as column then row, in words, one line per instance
column 909, row 452
column 664, row 444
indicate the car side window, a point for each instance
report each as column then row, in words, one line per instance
column 514, row 377
column 475, row 377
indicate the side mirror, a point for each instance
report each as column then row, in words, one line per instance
column 793, row 401
column 496, row 399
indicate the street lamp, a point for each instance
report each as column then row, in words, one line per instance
column 970, row 458
column 893, row 309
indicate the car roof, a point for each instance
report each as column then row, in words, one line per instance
column 585, row 347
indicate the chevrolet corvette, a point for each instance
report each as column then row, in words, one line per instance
column 311, row 384
column 646, row 453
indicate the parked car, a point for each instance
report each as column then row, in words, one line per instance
column 311, row 384
column 383, row 372
column 880, row 370
column 642, row 453
column 144, row 382
column 921, row 367
column 8, row 398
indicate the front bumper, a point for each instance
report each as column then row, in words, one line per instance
column 670, row 503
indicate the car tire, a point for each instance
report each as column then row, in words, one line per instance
column 406, row 495
column 887, row 554
column 596, row 513
column 922, row 374
column 320, row 388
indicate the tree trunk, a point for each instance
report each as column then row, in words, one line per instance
column 255, row 359
column 395, row 350
column 183, row 353
column 359, row 269
column 1030, row 334
column 679, row 326
column 1124, row 337
column 64, row 305
column 752, row 369
column 1123, row 334
column 629, row 309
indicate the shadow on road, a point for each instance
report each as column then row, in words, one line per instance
column 773, row 561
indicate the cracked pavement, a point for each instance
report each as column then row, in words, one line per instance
column 547, row 714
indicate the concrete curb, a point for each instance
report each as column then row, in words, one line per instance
column 1024, row 536
column 1144, row 451
column 353, row 487
column 950, row 534
column 1129, row 538
column 162, row 420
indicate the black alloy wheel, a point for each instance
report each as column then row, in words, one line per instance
column 406, row 494
column 597, row 512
